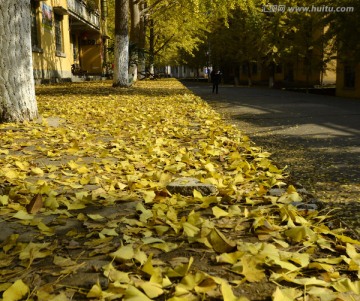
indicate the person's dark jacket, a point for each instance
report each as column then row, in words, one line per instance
column 216, row 77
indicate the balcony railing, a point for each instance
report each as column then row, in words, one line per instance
column 80, row 9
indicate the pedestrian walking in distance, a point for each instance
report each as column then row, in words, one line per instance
column 216, row 79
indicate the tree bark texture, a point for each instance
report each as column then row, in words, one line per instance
column 152, row 47
column 17, row 88
column 135, row 37
column 121, row 68
column 142, row 40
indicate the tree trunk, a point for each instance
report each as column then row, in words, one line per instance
column 121, row 49
column 272, row 74
column 134, row 38
column 17, row 90
column 142, row 41
column 249, row 73
column 151, row 47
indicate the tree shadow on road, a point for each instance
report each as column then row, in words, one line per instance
column 316, row 137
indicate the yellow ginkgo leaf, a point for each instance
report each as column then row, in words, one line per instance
column 251, row 268
column 95, row 217
column 4, row 151
column 151, row 289
column 116, row 275
column 140, row 256
column 180, row 270
column 42, row 295
column 210, row 167
column 16, row 291
column 346, row 285
column 297, row 234
column 108, row 232
column 82, row 170
column 37, row 171
column 228, row 294
column 63, row 261
column 22, row 165
column 4, row 200
column 133, row 294
column 148, row 196
column 10, row 173
column 23, row 215
column 10, row 242
column 148, row 267
column 218, row 212
column 286, row 294
column 190, row 230
column 45, row 229
column 35, row 250
column 197, row 194
column 124, row 253
column 95, row 292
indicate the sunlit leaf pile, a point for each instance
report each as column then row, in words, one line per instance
column 86, row 213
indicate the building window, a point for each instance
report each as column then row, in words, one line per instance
column 58, row 34
column 35, row 41
column 349, row 76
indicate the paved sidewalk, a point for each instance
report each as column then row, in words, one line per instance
column 317, row 137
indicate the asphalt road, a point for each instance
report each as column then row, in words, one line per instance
column 317, row 137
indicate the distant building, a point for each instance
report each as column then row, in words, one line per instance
column 348, row 79
column 184, row 71
column 68, row 38
column 300, row 68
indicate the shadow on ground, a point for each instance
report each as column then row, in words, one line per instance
column 317, row 137
column 106, row 90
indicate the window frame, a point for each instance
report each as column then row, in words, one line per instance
column 59, row 35
column 35, row 26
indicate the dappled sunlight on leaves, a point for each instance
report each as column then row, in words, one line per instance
column 84, row 191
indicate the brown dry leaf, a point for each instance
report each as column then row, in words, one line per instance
column 35, row 204
column 220, row 243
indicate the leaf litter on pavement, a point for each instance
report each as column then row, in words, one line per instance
column 85, row 213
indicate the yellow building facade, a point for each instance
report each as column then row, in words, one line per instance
column 68, row 39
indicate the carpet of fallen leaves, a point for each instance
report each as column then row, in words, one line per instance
column 85, row 213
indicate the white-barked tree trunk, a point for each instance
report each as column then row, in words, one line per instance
column 17, row 90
